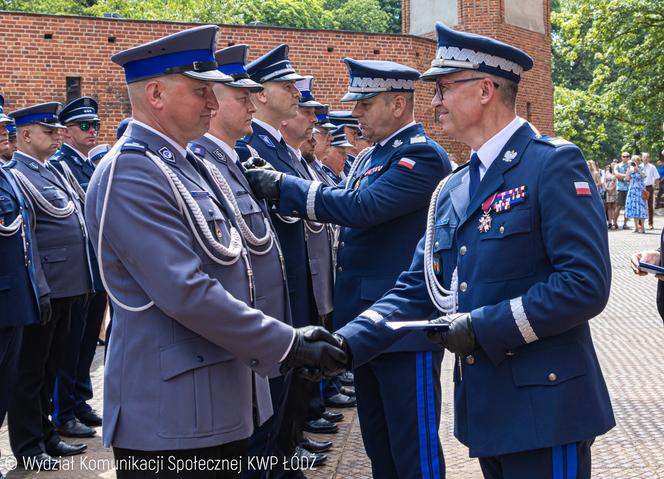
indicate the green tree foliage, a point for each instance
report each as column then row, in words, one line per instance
column 608, row 74
column 358, row 15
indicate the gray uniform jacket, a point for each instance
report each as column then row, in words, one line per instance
column 271, row 295
column 319, row 249
column 62, row 241
column 179, row 374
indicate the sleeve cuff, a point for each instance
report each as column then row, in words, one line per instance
column 288, row 348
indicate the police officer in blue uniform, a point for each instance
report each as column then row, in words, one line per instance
column 73, row 388
column 351, row 128
column 6, row 123
column 24, row 293
column 516, row 258
column 63, row 251
column 335, row 158
column 382, row 211
column 185, row 374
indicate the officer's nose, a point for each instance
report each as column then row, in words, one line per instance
column 211, row 100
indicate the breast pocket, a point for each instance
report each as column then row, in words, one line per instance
column 509, row 243
column 251, row 212
column 54, row 196
column 8, row 210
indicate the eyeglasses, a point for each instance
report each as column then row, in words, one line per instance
column 86, row 125
column 443, row 84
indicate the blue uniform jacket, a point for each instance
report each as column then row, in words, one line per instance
column 82, row 170
column 531, row 283
column 21, row 276
column 382, row 215
column 291, row 235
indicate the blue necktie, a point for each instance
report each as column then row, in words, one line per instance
column 474, row 171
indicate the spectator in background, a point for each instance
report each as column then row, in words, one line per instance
column 610, row 196
column 651, row 177
column 660, row 171
column 620, row 171
column 635, row 204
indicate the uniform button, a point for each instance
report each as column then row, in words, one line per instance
column 340, row 269
column 294, row 212
column 436, row 244
column 463, row 287
column 470, row 359
column 200, row 358
column 552, row 377
column 211, row 211
column 501, row 230
column 253, row 363
column 342, row 244
column 462, row 250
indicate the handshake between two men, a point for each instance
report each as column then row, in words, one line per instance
column 317, row 353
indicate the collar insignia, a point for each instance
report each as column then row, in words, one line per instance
column 397, row 143
column 509, row 156
column 33, row 165
column 167, row 155
column 267, row 141
column 219, row 154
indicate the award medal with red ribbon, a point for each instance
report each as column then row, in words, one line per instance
column 485, row 219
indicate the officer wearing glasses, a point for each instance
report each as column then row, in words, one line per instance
column 71, row 413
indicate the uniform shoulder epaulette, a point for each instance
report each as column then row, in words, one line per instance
column 57, row 156
column 134, row 145
column 460, row 167
column 198, row 150
column 553, row 141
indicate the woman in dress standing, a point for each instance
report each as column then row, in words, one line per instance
column 610, row 184
column 635, row 204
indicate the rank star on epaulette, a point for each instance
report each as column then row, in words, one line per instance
column 397, row 143
column 509, row 156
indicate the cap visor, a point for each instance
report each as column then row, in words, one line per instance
column 310, row 103
column 359, row 96
column 78, row 118
column 432, row 73
column 251, row 85
column 327, row 125
column 50, row 125
column 287, row 77
column 342, row 145
column 210, row 75
column 5, row 119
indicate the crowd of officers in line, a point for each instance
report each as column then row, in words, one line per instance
column 253, row 248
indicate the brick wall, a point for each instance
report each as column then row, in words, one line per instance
column 36, row 67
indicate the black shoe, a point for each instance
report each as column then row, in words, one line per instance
column 315, row 446
column 311, row 459
column 39, row 462
column 332, row 416
column 346, row 378
column 347, row 390
column 340, row 400
column 89, row 418
column 75, row 428
column 62, row 449
column 320, row 426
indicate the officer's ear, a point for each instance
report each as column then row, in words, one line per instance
column 399, row 105
column 24, row 133
column 154, row 92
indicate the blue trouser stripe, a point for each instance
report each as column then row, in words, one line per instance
column 421, row 421
column 56, row 403
column 557, row 459
column 431, row 411
column 571, row 461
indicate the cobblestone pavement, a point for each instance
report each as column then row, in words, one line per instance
column 633, row 366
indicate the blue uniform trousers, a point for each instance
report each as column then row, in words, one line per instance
column 10, row 344
column 569, row 461
column 398, row 404
column 73, row 386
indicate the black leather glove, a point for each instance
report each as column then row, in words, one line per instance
column 45, row 310
column 459, row 337
column 345, row 347
column 256, row 162
column 266, row 184
column 315, row 348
